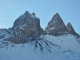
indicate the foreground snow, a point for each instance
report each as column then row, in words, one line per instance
column 47, row 47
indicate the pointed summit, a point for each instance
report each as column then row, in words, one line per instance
column 56, row 15
column 33, row 14
column 57, row 18
column 56, row 26
column 27, row 12
column 70, row 29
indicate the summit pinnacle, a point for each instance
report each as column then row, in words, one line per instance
column 56, row 26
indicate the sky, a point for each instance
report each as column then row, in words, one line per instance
column 69, row 10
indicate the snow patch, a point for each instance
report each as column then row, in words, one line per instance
column 51, row 28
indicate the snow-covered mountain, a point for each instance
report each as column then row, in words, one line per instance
column 26, row 40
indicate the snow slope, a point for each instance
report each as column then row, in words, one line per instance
column 46, row 47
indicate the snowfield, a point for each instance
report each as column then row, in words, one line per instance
column 47, row 47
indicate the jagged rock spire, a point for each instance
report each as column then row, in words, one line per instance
column 33, row 14
column 56, row 26
column 26, row 26
column 70, row 29
column 27, row 12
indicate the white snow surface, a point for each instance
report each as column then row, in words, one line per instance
column 51, row 28
column 49, row 47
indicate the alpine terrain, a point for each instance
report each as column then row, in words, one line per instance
column 26, row 40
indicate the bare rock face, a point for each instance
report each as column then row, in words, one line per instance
column 70, row 29
column 56, row 26
column 26, row 26
column 3, row 33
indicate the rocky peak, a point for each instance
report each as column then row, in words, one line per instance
column 25, row 19
column 33, row 14
column 70, row 29
column 27, row 13
column 56, row 16
column 26, row 26
column 56, row 26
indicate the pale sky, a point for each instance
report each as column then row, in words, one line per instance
column 69, row 10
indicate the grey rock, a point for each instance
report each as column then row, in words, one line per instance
column 56, row 26
column 33, row 14
column 3, row 33
column 18, row 39
column 29, row 25
column 70, row 29
column 26, row 26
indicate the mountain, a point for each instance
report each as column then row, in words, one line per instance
column 70, row 29
column 26, row 40
column 24, row 27
column 56, row 26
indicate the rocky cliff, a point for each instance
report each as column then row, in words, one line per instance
column 56, row 26
column 70, row 29
column 27, row 26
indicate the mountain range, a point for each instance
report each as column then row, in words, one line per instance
column 26, row 40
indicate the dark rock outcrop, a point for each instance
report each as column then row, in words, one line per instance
column 26, row 26
column 2, row 35
column 70, row 29
column 29, row 25
column 56, row 26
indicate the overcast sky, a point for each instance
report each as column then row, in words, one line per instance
column 69, row 10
